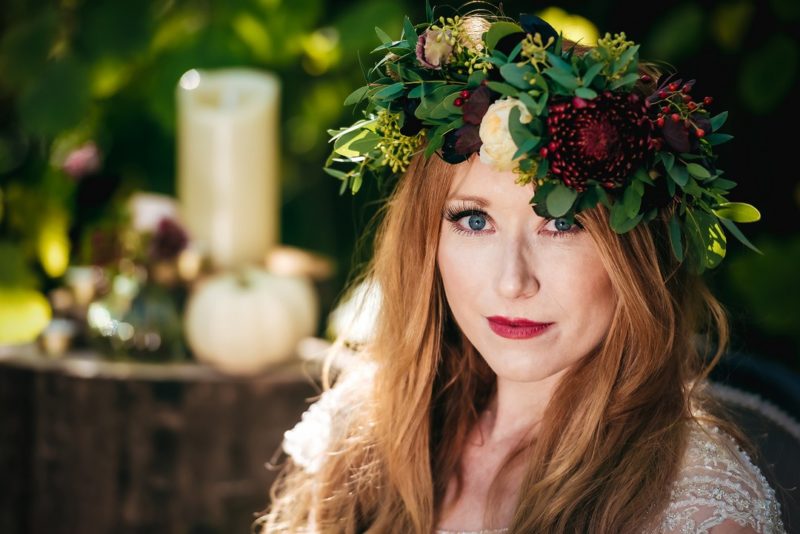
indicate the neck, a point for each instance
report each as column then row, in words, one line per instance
column 517, row 408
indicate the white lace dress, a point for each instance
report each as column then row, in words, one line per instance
column 717, row 485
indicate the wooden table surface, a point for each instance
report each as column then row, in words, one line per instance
column 94, row 446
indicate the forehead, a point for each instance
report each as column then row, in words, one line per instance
column 479, row 182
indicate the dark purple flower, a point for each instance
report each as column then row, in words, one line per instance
column 468, row 139
column 460, row 143
column 678, row 137
column 476, row 105
column 168, row 241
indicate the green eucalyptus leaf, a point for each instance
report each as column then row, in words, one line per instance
column 669, row 160
column 390, row 91
column 503, row 88
column 560, row 200
column 544, row 167
column 418, row 91
column 679, row 174
column 383, row 36
column 498, row 30
column 628, row 79
column 515, row 51
column 585, row 92
column 718, row 120
column 526, row 147
column 559, row 64
column 365, row 144
column 642, row 175
column 475, row 79
column 588, row 78
column 693, row 188
column 671, row 187
column 718, row 246
column 409, row 33
column 718, row 138
column 335, row 173
column 722, row 183
column 568, row 81
column 632, row 200
column 698, row 171
column 740, row 212
column 530, row 103
column 356, row 96
column 411, row 75
column 342, row 142
column 516, row 75
column 355, row 185
column 619, row 221
column 675, row 237
column 733, row 229
column 627, row 55
column 445, row 108
column 519, row 132
column 396, row 47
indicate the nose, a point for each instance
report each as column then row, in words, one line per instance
column 516, row 276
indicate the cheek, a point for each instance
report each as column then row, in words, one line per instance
column 463, row 268
column 588, row 293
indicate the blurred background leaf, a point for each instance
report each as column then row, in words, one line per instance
column 768, row 74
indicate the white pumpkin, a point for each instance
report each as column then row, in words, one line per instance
column 241, row 322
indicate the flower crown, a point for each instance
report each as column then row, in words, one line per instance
column 587, row 129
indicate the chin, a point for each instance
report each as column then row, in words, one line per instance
column 521, row 366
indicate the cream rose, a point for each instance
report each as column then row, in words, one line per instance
column 498, row 147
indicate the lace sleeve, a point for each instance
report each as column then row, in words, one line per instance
column 310, row 439
column 718, row 485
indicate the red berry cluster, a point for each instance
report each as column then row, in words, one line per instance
column 677, row 104
column 462, row 98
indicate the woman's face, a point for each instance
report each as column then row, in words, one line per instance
column 502, row 264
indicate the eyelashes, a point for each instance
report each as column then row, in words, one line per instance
column 454, row 214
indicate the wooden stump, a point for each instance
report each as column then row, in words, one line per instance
column 99, row 447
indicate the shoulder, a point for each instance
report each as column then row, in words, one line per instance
column 309, row 441
column 719, row 489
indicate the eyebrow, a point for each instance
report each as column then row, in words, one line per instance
column 480, row 201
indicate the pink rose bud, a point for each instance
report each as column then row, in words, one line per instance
column 82, row 161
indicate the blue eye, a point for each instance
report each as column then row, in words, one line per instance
column 563, row 225
column 477, row 222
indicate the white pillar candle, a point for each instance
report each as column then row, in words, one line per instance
column 228, row 163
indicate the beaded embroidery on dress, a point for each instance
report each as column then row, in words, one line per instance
column 717, row 483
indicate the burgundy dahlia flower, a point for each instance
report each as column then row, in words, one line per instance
column 604, row 139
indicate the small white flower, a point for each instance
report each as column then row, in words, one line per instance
column 148, row 209
column 498, row 147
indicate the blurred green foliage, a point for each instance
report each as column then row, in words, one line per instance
column 73, row 72
column 80, row 71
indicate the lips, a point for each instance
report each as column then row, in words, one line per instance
column 516, row 328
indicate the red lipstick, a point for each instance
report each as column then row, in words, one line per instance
column 516, row 328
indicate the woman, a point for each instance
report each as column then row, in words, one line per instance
column 530, row 370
